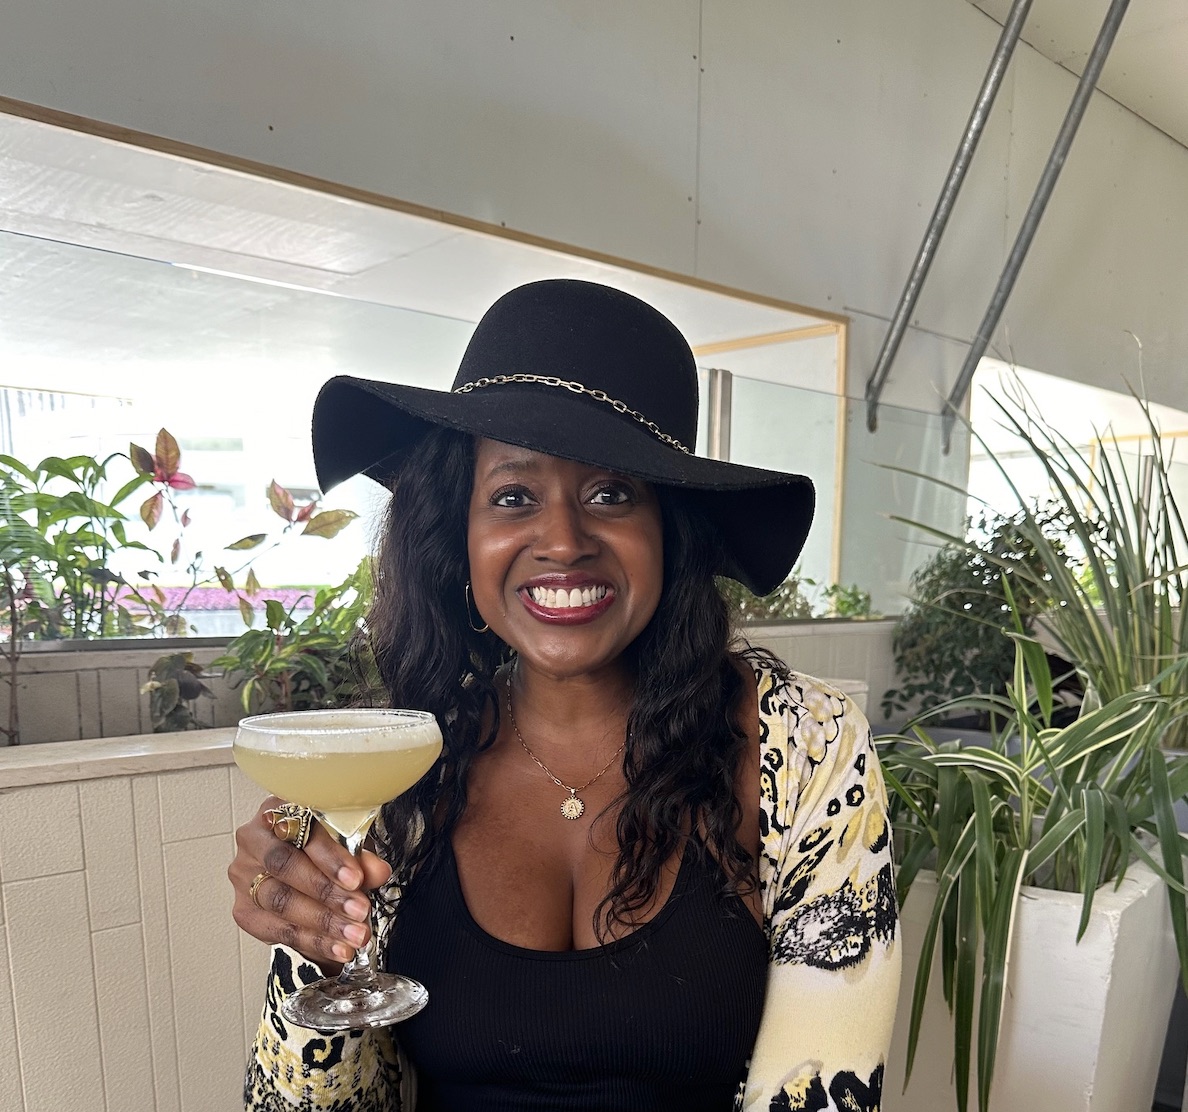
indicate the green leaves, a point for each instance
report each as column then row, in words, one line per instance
column 245, row 543
column 328, row 523
column 293, row 664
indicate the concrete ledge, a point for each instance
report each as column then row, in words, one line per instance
column 65, row 761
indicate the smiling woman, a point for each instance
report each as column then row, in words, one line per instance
column 646, row 847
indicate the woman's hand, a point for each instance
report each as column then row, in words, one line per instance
column 314, row 899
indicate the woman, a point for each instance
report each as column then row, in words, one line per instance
column 652, row 869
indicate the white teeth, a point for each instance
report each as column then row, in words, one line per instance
column 565, row 600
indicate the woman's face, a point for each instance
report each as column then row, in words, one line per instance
column 566, row 559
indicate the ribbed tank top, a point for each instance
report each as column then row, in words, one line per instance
column 664, row 1018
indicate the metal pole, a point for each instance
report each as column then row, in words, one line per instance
column 944, row 206
column 718, row 429
column 1043, row 191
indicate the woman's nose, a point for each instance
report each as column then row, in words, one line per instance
column 564, row 534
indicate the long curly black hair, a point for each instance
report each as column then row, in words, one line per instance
column 683, row 739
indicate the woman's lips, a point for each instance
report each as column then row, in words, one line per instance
column 567, row 606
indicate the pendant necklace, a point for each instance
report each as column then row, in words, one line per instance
column 573, row 807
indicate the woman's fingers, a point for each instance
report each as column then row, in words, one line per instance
column 376, row 870
column 311, row 899
column 282, row 913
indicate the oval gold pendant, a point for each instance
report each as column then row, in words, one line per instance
column 573, row 808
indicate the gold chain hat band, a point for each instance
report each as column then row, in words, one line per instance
column 577, row 388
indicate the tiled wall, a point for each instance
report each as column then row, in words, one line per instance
column 68, row 696
column 124, row 983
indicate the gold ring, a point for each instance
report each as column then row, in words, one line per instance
column 291, row 823
column 254, row 890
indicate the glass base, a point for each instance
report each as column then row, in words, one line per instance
column 331, row 1005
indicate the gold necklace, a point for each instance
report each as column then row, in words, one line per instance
column 573, row 807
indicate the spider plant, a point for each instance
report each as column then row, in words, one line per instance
column 1065, row 808
column 1112, row 587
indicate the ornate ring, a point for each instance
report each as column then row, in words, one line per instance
column 254, row 890
column 291, row 823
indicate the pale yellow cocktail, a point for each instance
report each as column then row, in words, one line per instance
column 344, row 765
column 345, row 774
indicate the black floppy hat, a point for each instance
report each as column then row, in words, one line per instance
column 585, row 372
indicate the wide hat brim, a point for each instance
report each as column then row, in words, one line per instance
column 371, row 427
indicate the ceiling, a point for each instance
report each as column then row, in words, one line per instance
column 1147, row 67
column 121, row 266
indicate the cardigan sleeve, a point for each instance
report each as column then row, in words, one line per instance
column 829, row 907
column 296, row 1069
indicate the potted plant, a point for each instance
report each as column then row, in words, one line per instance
column 1039, row 812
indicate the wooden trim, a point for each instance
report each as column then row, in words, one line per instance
column 762, row 339
column 203, row 155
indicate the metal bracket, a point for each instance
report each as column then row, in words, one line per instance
column 1035, row 211
column 944, row 206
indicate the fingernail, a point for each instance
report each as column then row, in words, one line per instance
column 348, row 877
column 357, row 908
column 342, row 953
column 354, row 934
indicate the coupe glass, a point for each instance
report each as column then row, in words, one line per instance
column 344, row 765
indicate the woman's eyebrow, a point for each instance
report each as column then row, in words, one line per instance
column 516, row 466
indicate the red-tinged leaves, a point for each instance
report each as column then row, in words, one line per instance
column 225, row 580
column 179, row 480
column 150, row 510
column 168, row 455
column 280, row 500
column 252, row 586
column 175, row 551
column 246, row 611
column 142, row 459
column 329, row 523
column 244, row 543
column 306, row 511
column 185, row 518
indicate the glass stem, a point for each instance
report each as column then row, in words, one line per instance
column 361, row 969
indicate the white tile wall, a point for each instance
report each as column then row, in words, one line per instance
column 125, row 986
column 69, row 696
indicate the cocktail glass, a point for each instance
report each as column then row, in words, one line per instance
column 344, row 765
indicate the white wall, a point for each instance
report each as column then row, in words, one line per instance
column 789, row 147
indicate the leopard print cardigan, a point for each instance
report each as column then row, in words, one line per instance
column 829, row 912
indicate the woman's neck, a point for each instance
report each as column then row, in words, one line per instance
column 587, row 712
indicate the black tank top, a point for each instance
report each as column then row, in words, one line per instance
column 664, row 1018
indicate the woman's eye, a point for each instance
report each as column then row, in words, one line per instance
column 511, row 498
column 613, row 495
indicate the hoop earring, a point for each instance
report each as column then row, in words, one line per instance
column 469, row 613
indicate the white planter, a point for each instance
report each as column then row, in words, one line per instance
column 1084, row 1024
